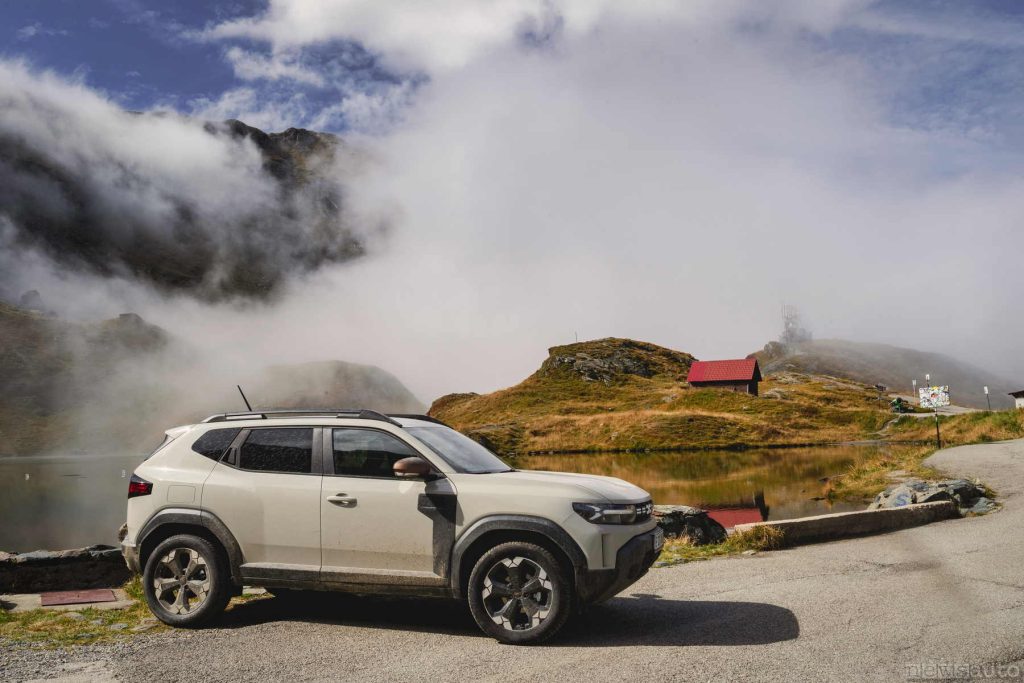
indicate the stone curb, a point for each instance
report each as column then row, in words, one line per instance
column 858, row 523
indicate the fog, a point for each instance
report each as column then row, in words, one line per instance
column 173, row 203
column 666, row 175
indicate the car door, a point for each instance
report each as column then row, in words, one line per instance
column 373, row 523
column 267, row 491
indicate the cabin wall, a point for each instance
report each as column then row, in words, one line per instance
column 741, row 387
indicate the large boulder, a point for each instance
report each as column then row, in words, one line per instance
column 694, row 524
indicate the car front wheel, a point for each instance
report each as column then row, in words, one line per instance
column 185, row 581
column 519, row 593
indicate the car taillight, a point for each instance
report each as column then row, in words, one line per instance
column 137, row 486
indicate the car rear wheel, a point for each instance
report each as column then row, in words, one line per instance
column 519, row 593
column 185, row 581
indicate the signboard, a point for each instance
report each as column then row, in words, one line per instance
column 933, row 397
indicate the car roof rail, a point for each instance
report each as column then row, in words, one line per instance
column 414, row 416
column 362, row 414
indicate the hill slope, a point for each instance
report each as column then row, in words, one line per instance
column 892, row 366
column 613, row 394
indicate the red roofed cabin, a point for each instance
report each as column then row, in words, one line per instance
column 735, row 375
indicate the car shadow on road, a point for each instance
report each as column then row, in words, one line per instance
column 624, row 621
column 651, row 620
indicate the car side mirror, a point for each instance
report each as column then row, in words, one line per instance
column 412, row 468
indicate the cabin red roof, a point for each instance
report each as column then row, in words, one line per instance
column 743, row 370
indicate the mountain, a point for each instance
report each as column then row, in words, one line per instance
column 116, row 384
column 617, row 394
column 217, row 210
column 892, row 366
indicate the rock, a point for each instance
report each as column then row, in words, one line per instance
column 900, row 497
column 143, row 627
column 934, row 495
column 961, row 491
column 74, row 616
column 682, row 521
column 96, row 622
column 118, row 627
column 750, row 552
column 983, row 505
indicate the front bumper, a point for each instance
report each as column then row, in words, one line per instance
column 632, row 561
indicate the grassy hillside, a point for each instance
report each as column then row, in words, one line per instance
column 616, row 394
column 892, row 366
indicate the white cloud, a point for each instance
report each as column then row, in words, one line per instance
column 252, row 66
column 449, row 34
column 37, row 29
column 254, row 108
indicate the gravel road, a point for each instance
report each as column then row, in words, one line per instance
column 892, row 607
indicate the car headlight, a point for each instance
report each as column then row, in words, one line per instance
column 613, row 513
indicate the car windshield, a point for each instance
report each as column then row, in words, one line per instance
column 461, row 452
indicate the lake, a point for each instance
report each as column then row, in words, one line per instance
column 56, row 502
column 735, row 486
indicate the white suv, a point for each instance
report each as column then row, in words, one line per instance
column 363, row 502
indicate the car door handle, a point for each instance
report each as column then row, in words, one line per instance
column 341, row 500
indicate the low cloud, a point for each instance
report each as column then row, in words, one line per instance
column 204, row 209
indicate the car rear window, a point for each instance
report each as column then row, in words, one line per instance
column 213, row 443
column 287, row 450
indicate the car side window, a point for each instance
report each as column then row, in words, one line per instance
column 213, row 443
column 287, row 450
column 368, row 453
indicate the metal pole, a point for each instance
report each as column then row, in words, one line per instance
column 938, row 437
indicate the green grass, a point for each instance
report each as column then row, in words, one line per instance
column 759, row 538
column 53, row 628
column 867, row 479
column 558, row 410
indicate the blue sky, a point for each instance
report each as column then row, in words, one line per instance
column 143, row 54
column 936, row 63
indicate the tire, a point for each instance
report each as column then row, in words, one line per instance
column 499, row 604
column 186, row 582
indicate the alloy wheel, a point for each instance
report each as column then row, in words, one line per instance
column 181, row 582
column 517, row 593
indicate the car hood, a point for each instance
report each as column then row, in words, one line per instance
column 609, row 488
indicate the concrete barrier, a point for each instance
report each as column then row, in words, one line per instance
column 860, row 523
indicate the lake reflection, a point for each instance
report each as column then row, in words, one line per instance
column 737, row 486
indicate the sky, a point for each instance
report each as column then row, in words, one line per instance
column 666, row 171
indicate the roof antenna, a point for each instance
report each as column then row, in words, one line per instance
column 249, row 407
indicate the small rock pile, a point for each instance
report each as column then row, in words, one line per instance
column 968, row 496
column 682, row 521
